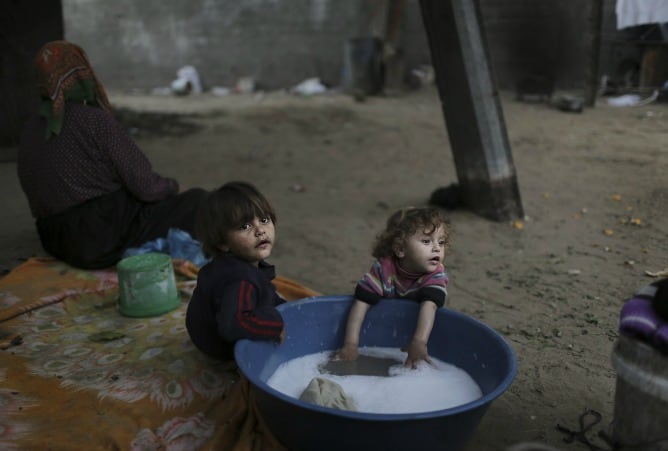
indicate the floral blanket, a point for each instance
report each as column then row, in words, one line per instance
column 76, row 374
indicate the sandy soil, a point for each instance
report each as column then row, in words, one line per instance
column 593, row 186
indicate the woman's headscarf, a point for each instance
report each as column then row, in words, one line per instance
column 63, row 72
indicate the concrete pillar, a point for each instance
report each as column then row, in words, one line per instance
column 472, row 110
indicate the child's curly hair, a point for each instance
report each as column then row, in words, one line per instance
column 226, row 209
column 406, row 222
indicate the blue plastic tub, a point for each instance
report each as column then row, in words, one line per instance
column 318, row 324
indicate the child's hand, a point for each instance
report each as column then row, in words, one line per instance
column 417, row 350
column 281, row 337
column 347, row 352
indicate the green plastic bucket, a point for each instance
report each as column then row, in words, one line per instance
column 146, row 285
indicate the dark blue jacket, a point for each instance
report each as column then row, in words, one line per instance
column 233, row 300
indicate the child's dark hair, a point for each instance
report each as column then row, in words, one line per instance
column 406, row 222
column 226, row 209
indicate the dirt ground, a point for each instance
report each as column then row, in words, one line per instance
column 594, row 188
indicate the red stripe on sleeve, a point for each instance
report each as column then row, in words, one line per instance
column 252, row 323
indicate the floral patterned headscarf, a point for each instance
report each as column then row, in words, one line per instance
column 63, row 72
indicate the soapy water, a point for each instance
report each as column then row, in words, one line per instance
column 424, row 389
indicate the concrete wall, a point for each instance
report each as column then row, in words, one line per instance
column 538, row 37
column 278, row 42
column 141, row 45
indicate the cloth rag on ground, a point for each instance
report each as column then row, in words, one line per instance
column 639, row 319
column 76, row 373
column 325, row 392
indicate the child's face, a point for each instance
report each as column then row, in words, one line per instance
column 252, row 241
column 422, row 252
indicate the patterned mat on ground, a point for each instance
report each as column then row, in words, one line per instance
column 75, row 372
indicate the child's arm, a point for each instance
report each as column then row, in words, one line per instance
column 368, row 292
column 417, row 348
column 353, row 326
column 242, row 313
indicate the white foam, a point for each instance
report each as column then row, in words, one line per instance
column 424, row 389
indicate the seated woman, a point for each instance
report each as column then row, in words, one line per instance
column 91, row 190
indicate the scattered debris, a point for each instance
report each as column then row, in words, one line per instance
column 630, row 221
column 588, row 420
column 590, row 318
column 220, row 91
column 660, row 273
column 568, row 103
column 309, row 87
column 422, row 75
column 245, row 85
column 632, row 100
column 187, row 81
